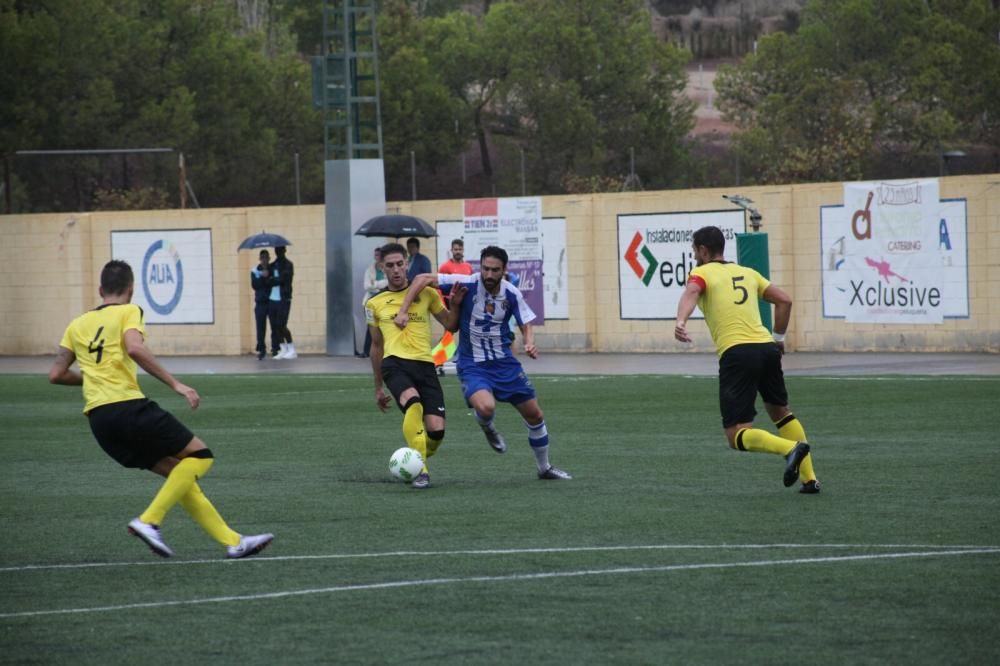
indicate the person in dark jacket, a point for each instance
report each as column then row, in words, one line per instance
column 262, row 283
column 284, row 272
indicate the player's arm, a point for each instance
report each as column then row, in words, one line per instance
column 782, row 302
column 417, row 285
column 136, row 348
column 528, row 337
column 452, row 321
column 686, row 306
column 377, row 352
column 61, row 372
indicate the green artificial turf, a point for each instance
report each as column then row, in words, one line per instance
column 666, row 547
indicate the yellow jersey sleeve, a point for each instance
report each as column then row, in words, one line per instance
column 730, row 300
column 97, row 339
column 414, row 341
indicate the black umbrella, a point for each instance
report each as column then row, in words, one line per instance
column 263, row 240
column 396, row 226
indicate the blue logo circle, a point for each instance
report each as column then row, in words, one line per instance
column 162, row 275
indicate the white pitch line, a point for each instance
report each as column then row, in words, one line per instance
column 495, row 579
column 494, row 551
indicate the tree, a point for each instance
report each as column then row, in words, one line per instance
column 861, row 78
column 169, row 73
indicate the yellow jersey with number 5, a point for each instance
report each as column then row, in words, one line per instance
column 97, row 338
column 729, row 300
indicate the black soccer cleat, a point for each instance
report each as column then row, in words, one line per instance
column 795, row 458
column 810, row 488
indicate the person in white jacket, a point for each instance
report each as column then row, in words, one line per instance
column 375, row 281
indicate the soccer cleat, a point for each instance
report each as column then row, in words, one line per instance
column 289, row 353
column 150, row 535
column 554, row 473
column 421, row 481
column 248, row 546
column 494, row 439
column 794, row 458
column 810, row 487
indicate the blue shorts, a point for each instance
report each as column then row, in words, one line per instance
column 504, row 378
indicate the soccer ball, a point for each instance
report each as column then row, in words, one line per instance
column 406, row 463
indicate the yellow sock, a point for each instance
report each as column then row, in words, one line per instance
column 413, row 430
column 177, row 485
column 761, row 441
column 432, row 446
column 791, row 428
column 205, row 514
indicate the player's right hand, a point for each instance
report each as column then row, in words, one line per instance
column 457, row 293
column 681, row 334
column 189, row 394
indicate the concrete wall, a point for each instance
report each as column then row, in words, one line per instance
column 53, row 261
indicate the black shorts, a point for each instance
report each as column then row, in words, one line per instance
column 745, row 371
column 138, row 433
column 400, row 374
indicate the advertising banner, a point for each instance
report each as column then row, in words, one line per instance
column 515, row 225
column 555, row 268
column 655, row 258
column 173, row 273
column 894, row 253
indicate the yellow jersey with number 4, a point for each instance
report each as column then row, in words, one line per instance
column 729, row 300
column 97, row 338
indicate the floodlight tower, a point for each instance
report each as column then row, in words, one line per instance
column 352, row 119
column 355, row 177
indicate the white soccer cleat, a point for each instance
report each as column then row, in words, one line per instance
column 249, row 545
column 554, row 473
column 150, row 535
column 289, row 353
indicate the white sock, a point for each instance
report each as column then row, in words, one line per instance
column 485, row 423
column 538, row 437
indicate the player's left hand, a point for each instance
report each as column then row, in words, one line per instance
column 531, row 349
column 381, row 399
column 402, row 319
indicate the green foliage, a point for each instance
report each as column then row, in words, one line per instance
column 903, row 76
column 170, row 73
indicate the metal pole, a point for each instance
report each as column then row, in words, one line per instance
column 523, row 189
column 6, row 181
column 181, row 180
column 298, row 188
column 413, row 174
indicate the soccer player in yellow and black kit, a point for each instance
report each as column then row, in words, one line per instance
column 108, row 343
column 402, row 361
column 749, row 358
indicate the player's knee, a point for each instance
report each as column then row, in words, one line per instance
column 410, row 402
column 435, row 435
column 203, row 454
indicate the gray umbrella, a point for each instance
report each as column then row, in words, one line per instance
column 263, row 240
column 396, row 226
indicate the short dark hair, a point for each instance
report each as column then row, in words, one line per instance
column 495, row 252
column 413, row 241
column 116, row 277
column 264, row 253
column 459, row 242
column 711, row 238
column 393, row 248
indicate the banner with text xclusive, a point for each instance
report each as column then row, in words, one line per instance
column 895, row 253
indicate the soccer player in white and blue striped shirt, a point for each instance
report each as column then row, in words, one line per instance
column 482, row 305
